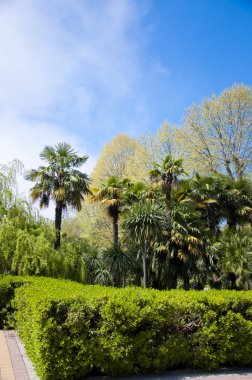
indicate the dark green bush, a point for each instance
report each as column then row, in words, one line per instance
column 71, row 330
column 8, row 285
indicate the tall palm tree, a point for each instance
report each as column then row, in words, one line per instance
column 204, row 193
column 177, row 253
column 59, row 181
column 168, row 172
column 111, row 194
column 144, row 221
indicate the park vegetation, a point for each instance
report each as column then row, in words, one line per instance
column 166, row 210
column 72, row 330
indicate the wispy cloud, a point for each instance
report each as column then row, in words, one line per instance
column 61, row 62
column 63, row 65
column 161, row 69
column 64, row 51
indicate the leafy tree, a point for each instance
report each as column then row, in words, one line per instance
column 162, row 143
column 114, row 159
column 8, row 182
column 59, row 181
column 219, row 132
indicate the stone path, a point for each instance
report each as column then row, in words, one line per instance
column 15, row 365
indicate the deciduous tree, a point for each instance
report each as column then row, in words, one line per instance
column 219, row 132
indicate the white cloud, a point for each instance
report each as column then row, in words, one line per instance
column 61, row 62
column 161, row 69
column 28, row 140
column 52, row 53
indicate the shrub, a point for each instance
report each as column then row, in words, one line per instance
column 72, row 330
column 8, row 285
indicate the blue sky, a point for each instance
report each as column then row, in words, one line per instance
column 82, row 71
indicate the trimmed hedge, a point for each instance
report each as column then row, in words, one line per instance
column 72, row 330
column 8, row 285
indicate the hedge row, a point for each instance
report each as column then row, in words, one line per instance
column 71, row 330
column 7, row 288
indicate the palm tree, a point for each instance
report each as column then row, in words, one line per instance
column 144, row 221
column 168, row 172
column 236, row 200
column 235, row 258
column 111, row 194
column 204, row 193
column 177, row 254
column 59, row 181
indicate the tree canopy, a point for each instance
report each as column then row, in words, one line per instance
column 59, row 181
column 219, row 132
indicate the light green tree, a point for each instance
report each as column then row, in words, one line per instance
column 218, row 133
column 114, row 159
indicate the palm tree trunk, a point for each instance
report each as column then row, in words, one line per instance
column 167, row 180
column 58, row 220
column 232, row 278
column 144, row 265
column 186, row 279
column 124, row 281
column 115, row 229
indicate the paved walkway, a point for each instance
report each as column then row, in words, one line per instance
column 15, row 365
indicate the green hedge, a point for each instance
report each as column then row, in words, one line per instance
column 8, row 285
column 71, row 330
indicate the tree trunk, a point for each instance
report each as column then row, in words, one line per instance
column 144, row 265
column 238, row 168
column 167, row 181
column 212, row 219
column 232, row 278
column 172, row 276
column 124, row 280
column 115, row 229
column 58, row 220
column 186, row 280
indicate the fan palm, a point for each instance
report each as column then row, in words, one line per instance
column 179, row 250
column 168, row 172
column 235, row 258
column 205, row 192
column 236, row 200
column 59, row 181
column 111, row 194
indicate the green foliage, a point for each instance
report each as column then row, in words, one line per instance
column 8, row 285
column 71, row 330
column 28, row 250
column 217, row 133
column 59, row 181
